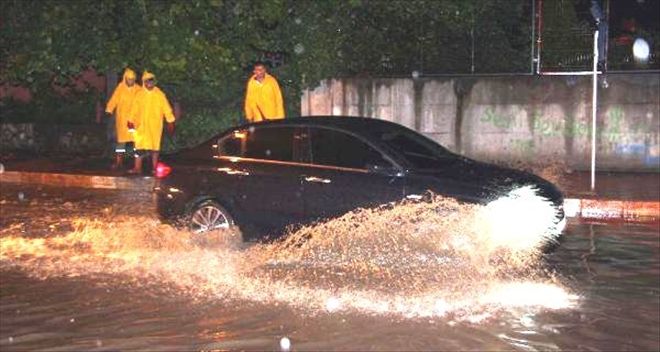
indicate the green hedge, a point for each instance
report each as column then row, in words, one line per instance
column 76, row 108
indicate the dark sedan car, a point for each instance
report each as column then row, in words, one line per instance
column 263, row 177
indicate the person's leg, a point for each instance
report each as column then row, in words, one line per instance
column 154, row 160
column 130, row 151
column 119, row 161
column 120, row 149
column 137, row 169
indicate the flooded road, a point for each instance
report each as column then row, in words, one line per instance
column 94, row 270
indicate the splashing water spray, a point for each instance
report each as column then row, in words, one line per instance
column 412, row 259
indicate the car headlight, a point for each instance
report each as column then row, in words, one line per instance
column 521, row 220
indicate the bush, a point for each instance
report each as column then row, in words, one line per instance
column 75, row 108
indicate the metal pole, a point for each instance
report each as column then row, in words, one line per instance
column 569, row 73
column 472, row 39
column 607, row 39
column 594, row 106
column 531, row 57
column 539, row 38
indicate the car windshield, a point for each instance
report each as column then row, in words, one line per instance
column 419, row 150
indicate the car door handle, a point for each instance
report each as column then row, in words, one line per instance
column 317, row 179
column 230, row 171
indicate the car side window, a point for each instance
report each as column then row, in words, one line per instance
column 233, row 144
column 272, row 143
column 275, row 143
column 335, row 148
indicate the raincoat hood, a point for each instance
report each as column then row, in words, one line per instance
column 128, row 74
column 147, row 75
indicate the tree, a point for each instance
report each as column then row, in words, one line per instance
column 201, row 50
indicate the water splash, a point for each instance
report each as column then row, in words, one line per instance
column 520, row 221
column 412, row 259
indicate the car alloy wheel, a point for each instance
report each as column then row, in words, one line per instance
column 209, row 216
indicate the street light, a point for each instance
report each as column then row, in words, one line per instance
column 641, row 50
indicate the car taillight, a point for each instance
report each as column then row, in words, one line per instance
column 162, row 170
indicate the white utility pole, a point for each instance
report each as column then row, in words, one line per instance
column 594, row 109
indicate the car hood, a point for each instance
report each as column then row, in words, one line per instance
column 488, row 181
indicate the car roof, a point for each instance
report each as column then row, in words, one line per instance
column 361, row 125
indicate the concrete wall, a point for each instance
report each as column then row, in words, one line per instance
column 513, row 119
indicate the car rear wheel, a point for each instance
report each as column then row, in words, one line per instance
column 209, row 217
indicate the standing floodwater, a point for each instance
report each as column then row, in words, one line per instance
column 106, row 274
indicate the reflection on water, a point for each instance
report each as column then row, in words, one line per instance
column 411, row 276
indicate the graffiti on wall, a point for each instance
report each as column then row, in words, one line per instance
column 611, row 133
column 557, row 127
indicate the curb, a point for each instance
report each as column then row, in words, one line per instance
column 84, row 181
column 595, row 209
column 612, row 209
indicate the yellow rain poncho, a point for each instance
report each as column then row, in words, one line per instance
column 121, row 103
column 263, row 100
column 149, row 109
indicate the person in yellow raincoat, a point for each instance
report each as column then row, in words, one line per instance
column 146, row 118
column 263, row 98
column 120, row 104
